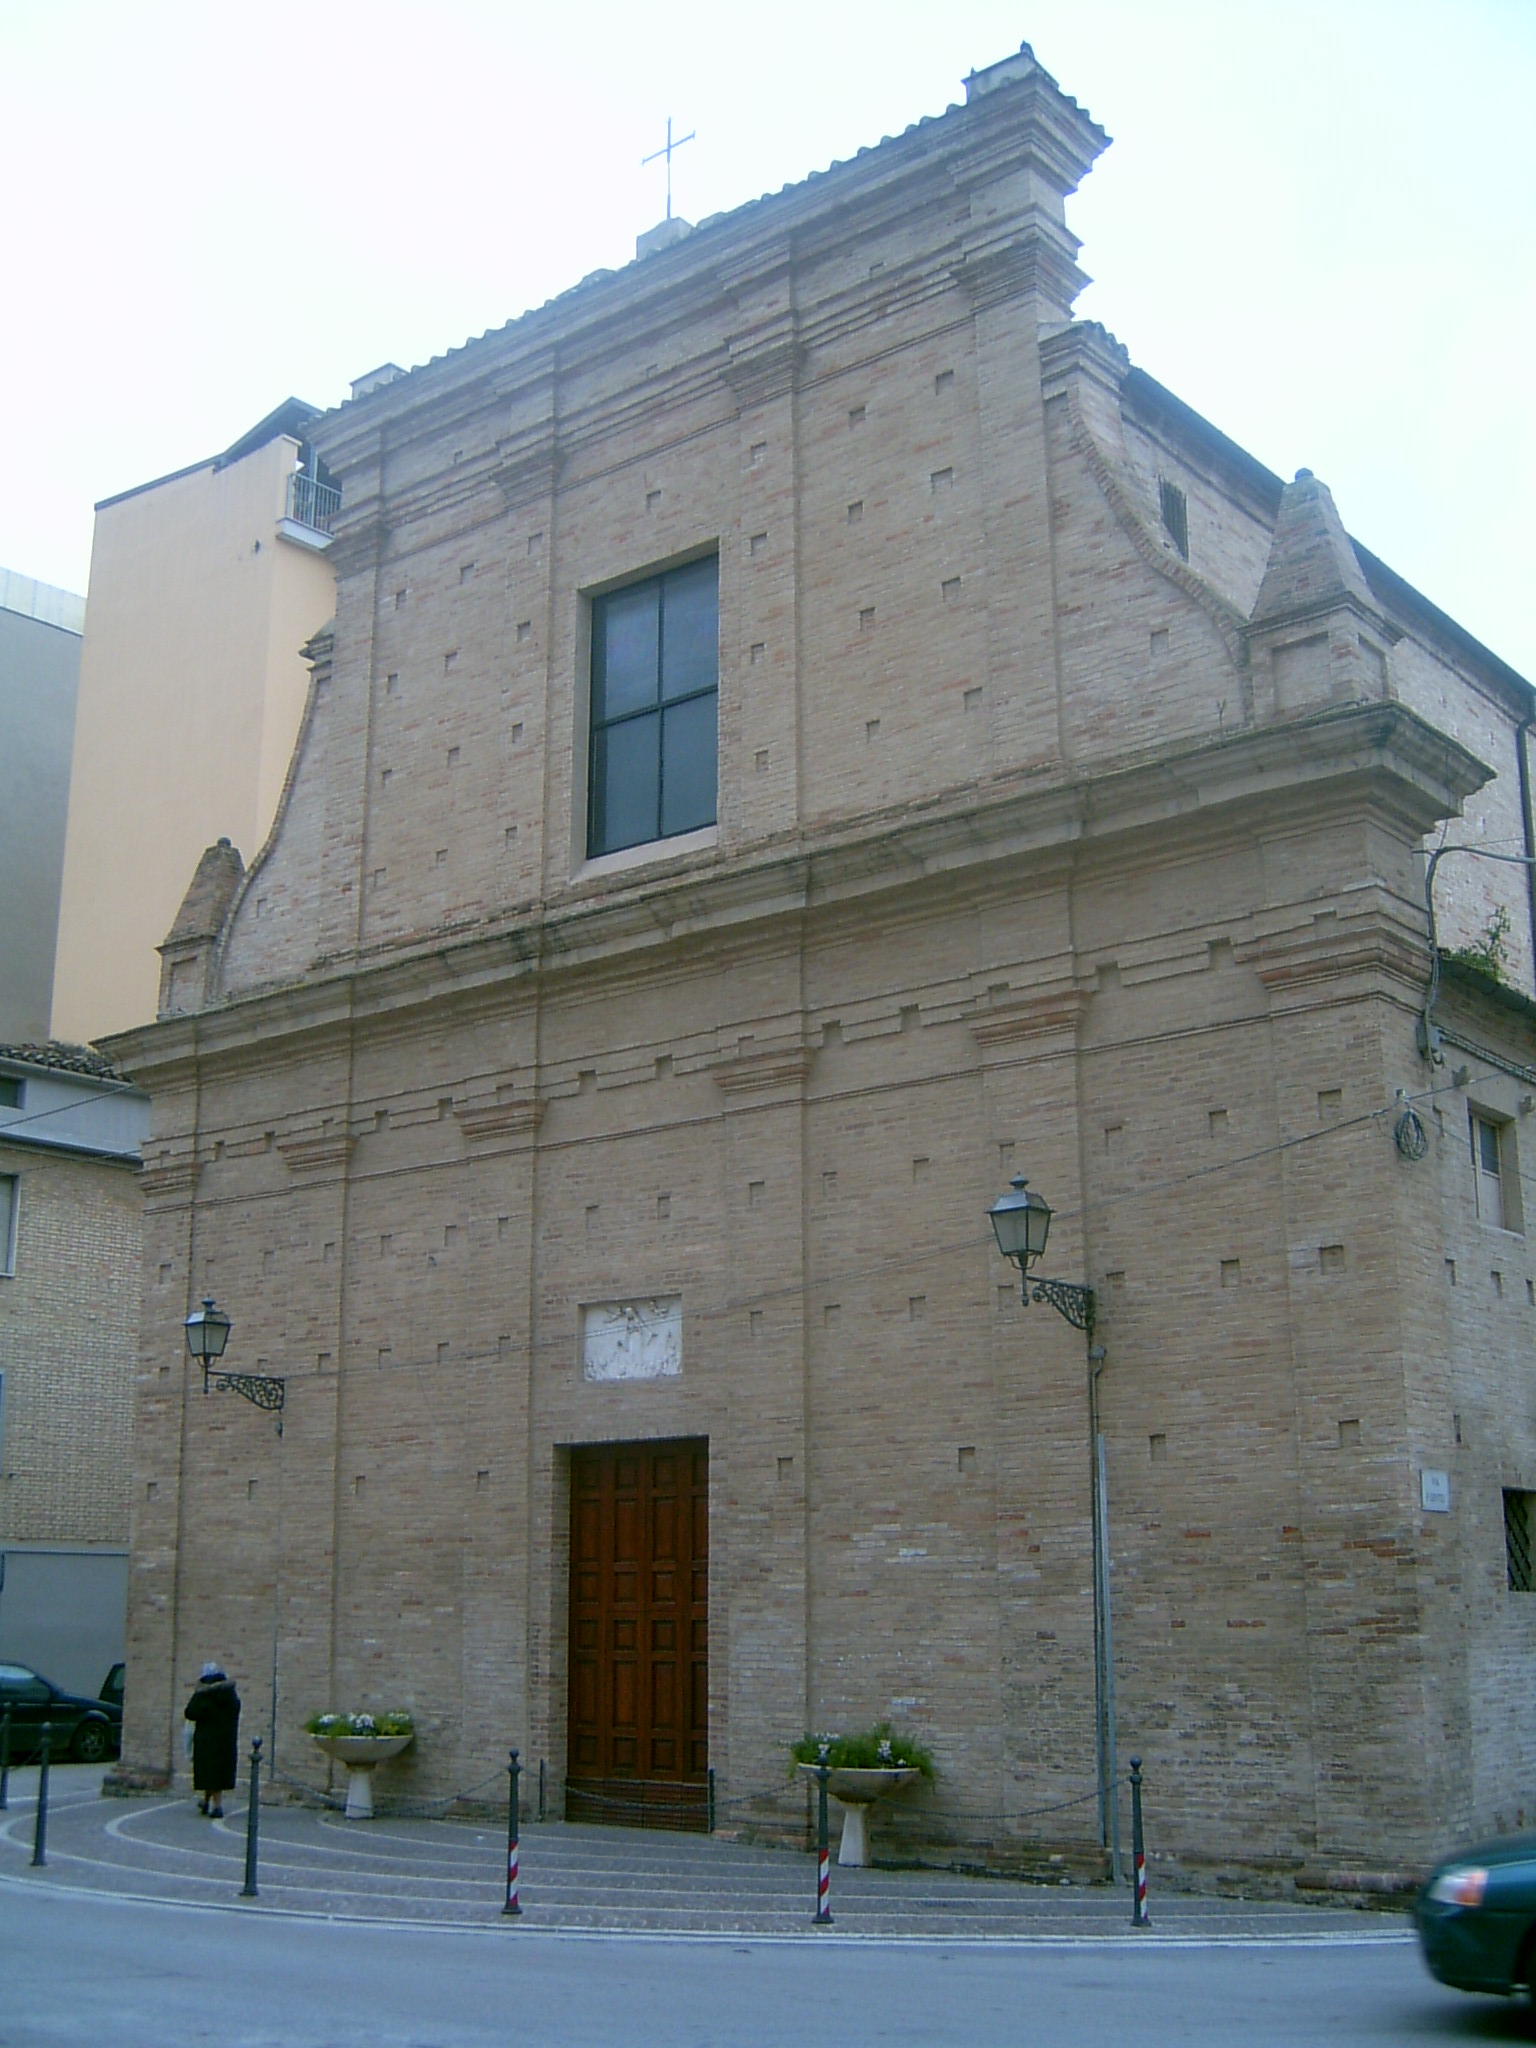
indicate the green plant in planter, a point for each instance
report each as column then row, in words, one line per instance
column 876, row 1749
column 323, row 1725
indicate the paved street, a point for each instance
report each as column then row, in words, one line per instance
column 390, row 1932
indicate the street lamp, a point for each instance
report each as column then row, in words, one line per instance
column 207, row 1334
column 1021, row 1221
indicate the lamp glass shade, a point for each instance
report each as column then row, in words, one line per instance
column 1022, row 1222
column 207, row 1333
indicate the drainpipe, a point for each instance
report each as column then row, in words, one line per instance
column 1522, row 756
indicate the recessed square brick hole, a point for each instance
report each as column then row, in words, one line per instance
column 453, row 757
column 517, row 730
column 1160, row 643
column 920, row 1168
column 786, row 1470
column 1349, row 1433
column 1007, row 1294
column 449, row 660
column 593, row 1210
column 535, row 542
column 386, row 1243
column 755, row 1323
column 877, row 266
column 917, row 1307
column 972, row 698
column 663, row 1208
column 482, row 1481
column 1157, row 1444
column 941, row 480
column 466, row 570
column 871, row 730
column 399, row 600
column 867, row 618
column 760, row 761
column 1231, row 1272
column 856, row 416
column 855, row 511
column 758, row 455
column 652, row 500
column 755, row 1192
column 965, row 1458
column 151, row 1489
column 756, row 653
column 943, row 381
column 250, row 1489
column 950, row 589
column 1330, row 1104
column 1217, row 1122
column 392, row 684
column 1331, row 1258
column 524, row 631
column 829, row 1181
column 386, row 776
column 832, row 1314
column 1450, row 1272
column 440, row 858
column 758, row 544
column 1498, row 1282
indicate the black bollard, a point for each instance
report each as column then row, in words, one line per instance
column 5, row 1759
column 823, row 1862
column 252, row 1822
column 541, row 1791
column 511, row 1909
column 711, row 1799
column 1139, row 1916
column 40, row 1827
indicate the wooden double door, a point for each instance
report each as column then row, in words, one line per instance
column 639, row 1634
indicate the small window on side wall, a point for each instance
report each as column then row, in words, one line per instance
column 9, row 1204
column 1519, row 1528
column 1494, row 1175
column 655, row 688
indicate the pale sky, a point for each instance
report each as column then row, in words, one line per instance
column 1315, row 222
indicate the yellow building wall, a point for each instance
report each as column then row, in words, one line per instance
column 191, row 691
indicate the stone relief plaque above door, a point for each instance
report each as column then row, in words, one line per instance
column 632, row 1340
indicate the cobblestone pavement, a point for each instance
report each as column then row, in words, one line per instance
column 578, row 1879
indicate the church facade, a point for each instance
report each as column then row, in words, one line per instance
column 809, row 733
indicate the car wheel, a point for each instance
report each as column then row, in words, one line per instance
column 91, row 1743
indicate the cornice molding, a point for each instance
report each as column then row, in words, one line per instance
column 1055, row 1012
column 759, row 1072
column 315, row 1154
column 482, row 1120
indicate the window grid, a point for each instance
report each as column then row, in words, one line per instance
column 1489, row 1160
column 655, row 686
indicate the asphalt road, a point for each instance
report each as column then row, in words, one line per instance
column 82, row 1969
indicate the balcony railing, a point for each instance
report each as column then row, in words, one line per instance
column 312, row 503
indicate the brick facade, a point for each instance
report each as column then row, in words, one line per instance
column 1039, row 849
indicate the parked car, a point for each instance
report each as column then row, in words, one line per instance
column 112, row 1687
column 1477, row 1918
column 86, row 1731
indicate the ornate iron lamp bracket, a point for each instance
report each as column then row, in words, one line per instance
column 1073, row 1302
column 261, row 1389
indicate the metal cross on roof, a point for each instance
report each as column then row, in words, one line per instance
column 667, row 153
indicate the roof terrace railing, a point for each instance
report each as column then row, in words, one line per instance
column 312, row 503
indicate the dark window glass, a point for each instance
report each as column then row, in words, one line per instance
column 11, row 1092
column 655, row 684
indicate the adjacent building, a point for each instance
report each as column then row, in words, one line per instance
column 70, row 1244
column 810, row 733
column 39, row 674
column 204, row 587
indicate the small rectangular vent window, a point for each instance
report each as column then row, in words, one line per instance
column 9, row 1204
column 1519, row 1522
column 12, row 1091
column 1175, row 509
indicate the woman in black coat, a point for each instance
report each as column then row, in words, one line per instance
column 214, row 1711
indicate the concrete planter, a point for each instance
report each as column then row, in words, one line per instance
column 360, row 1754
column 856, row 1792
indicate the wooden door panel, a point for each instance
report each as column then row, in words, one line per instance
column 639, row 1633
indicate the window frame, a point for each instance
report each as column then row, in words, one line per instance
column 1519, row 1534
column 1506, row 1181
column 8, row 1226
column 589, row 848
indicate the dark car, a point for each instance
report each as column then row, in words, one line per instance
column 112, row 1687
column 1477, row 1918
column 86, row 1731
